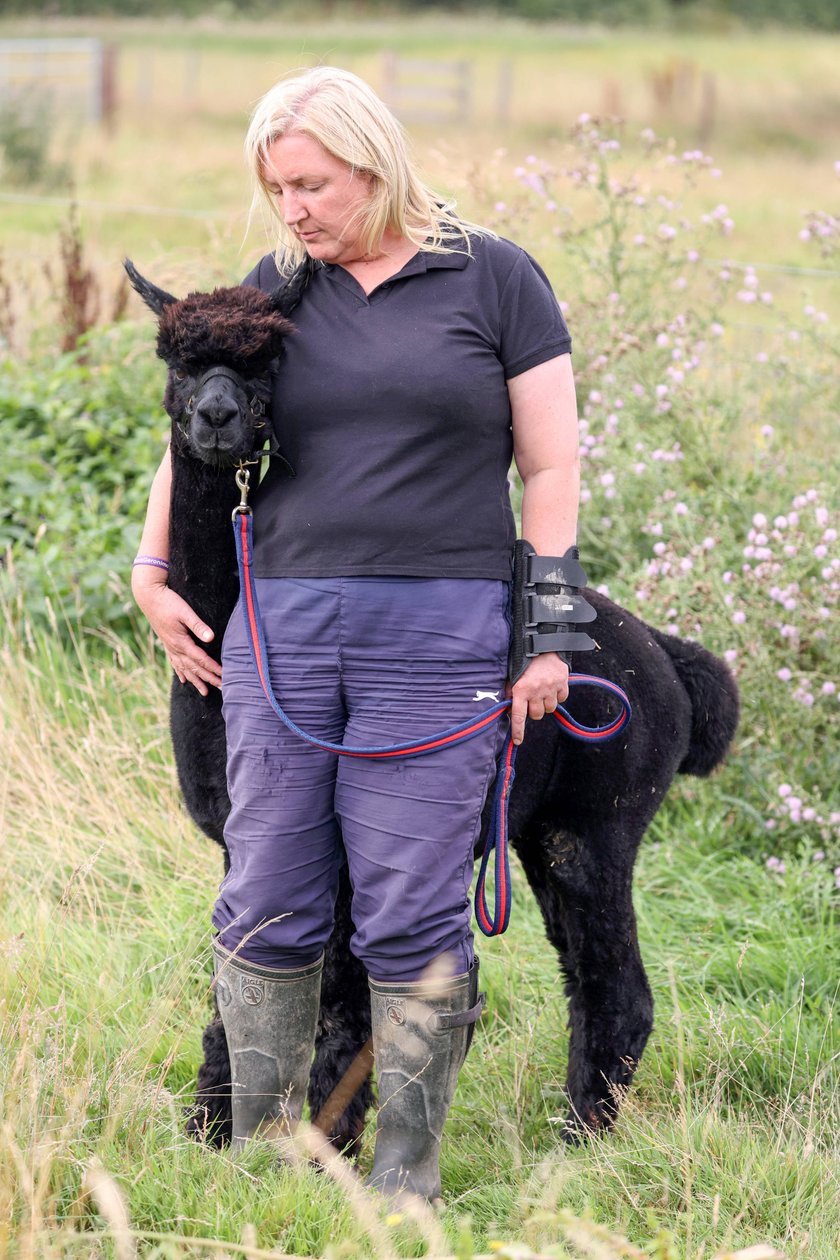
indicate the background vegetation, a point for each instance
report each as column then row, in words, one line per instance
column 702, row 297
column 821, row 14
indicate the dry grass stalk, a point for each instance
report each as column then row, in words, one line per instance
column 110, row 1204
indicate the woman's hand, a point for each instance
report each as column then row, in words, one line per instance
column 175, row 623
column 539, row 690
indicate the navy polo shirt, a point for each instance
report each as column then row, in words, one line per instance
column 393, row 410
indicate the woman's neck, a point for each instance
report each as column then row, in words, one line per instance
column 373, row 269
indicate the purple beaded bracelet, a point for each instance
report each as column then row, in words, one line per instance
column 155, row 561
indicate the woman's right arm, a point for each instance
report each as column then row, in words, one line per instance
column 171, row 617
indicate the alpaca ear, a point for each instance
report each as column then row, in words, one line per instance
column 156, row 299
column 286, row 296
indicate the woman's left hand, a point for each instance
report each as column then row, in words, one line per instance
column 538, row 691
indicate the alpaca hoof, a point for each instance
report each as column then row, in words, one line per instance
column 202, row 1127
column 579, row 1128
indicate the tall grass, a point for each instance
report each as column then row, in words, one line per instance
column 728, row 1138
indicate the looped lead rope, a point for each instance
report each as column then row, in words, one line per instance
column 497, row 840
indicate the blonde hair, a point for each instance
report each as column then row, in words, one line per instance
column 347, row 118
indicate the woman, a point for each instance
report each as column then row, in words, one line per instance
column 427, row 351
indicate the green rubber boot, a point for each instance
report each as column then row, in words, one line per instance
column 269, row 1016
column 421, row 1034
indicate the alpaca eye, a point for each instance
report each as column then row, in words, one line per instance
column 179, row 375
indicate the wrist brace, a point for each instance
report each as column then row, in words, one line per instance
column 547, row 605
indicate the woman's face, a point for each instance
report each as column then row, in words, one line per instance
column 319, row 197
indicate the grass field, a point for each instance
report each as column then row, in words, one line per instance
column 729, row 1137
column 708, row 398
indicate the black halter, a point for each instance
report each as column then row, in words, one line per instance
column 257, row 407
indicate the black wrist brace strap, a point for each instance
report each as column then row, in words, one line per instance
column 547, row 605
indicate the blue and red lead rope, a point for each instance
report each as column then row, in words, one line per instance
column 497, row 839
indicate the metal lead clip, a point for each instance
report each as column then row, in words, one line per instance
column 243, row 482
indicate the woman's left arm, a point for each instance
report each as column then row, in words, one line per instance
column 545, row 447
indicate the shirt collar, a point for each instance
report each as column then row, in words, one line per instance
column 422, row 261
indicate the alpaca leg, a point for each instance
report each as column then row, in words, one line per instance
column 211, row 1119
column 610, row 1003
column 584, row 889
column 340, row 1090
column 198, row 741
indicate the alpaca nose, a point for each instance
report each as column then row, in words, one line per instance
column 216, row 412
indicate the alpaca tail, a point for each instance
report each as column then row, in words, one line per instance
column 714, row 703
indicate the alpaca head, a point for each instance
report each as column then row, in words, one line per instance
column 219, row 348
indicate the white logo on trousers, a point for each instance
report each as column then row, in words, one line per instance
column 487, row 695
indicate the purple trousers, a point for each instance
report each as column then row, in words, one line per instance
column 361, row 661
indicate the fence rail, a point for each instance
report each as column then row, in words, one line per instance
column 75, row 74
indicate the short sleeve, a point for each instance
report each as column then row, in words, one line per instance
column 532, row 326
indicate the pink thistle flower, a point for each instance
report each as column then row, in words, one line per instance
column 784, row 675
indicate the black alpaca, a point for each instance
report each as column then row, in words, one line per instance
column 577, row 812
